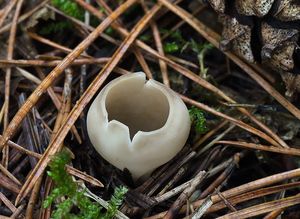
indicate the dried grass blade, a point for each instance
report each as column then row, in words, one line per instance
column 263, row 208
column 143, row 63
column 10, row 52
column 9, row 175
column 176, row 206
column 82, row 102
column 274, row 214
column 6, row 201
column 33, row 198
column 7, row 183
column 2, row 112
column 81, row 175
column 183, row 61
column 43, row 63
column 18, row 212
column 208, row 135
column 219, row 182
column 289, row 151
column 53, row 44
column 159, row 46
column 28, row 75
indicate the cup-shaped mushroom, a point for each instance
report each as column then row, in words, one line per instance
column 137, row 124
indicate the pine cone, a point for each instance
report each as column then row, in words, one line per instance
column 263, row 31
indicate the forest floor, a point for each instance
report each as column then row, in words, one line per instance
column 241, row 159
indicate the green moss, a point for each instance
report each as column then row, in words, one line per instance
column 171, row 47
column 175, row 42
column 67, row 196
column 69, row 7
column 198, row 119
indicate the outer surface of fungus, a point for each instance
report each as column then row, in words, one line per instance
column 137, row 124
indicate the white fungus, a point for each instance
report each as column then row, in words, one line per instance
column 137, row 124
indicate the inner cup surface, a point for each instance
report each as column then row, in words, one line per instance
column 138, row 106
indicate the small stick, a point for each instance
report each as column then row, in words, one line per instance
column 157, row 39
column 170, row 172
column 33, row 198
column 7, row 183
column 203, row 208
column 216, row 139
column 9, row 175
column 222, row 177
column 175, row 208
column 289, row 151
column 43, row 63
column 274, row 214
column 226, row 202
column 263, row 208
column 173, row 192
column 7, row 203
column 18, row 212
column 178, row 175
column 209, row 134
